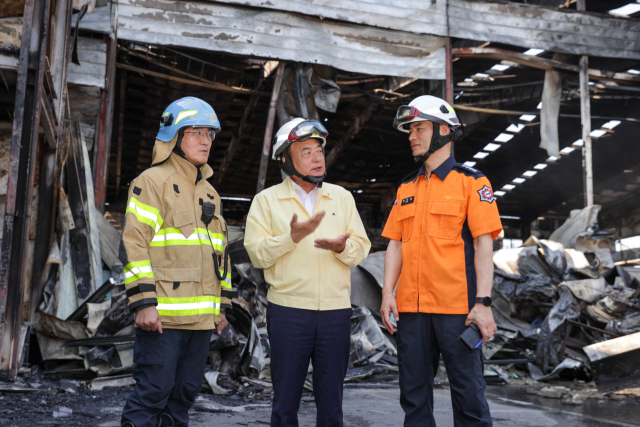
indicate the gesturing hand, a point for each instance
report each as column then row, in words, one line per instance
column 336, row 245
column 300, row 230
column 148, row 320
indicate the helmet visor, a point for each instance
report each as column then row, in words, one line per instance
column 406, row 114
column 304, row 130
column 308, row 129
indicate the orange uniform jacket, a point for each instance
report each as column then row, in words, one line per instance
column 437, row 218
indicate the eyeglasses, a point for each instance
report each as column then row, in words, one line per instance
column 202, row 133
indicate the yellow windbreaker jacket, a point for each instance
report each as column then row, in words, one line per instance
column 166, row 248
column 300, row 275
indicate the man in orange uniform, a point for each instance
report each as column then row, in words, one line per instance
column 441, row 228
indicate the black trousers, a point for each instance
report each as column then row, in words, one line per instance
column 296, row 337
column 168, row 370
column 421, row 339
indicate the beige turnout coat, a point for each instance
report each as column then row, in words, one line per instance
column 166, row 248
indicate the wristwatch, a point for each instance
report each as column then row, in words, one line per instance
column 484, row 301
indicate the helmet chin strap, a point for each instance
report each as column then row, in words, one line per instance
column 437, row 142
column 288, row 168
column 178, row 147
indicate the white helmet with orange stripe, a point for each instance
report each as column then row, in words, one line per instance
column 432, row 109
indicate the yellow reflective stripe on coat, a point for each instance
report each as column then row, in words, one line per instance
column 145, row 214
column 188, row 306
column 226, row 283
column 174, row 237
column 137, row 270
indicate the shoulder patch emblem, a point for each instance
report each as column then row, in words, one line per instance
column 486, row 194
column 137, row 191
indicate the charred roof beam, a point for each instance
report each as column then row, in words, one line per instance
column 542, row 63
column 392, row 85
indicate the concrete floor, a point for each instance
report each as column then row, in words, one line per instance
column 365, row 405
column 380, row 407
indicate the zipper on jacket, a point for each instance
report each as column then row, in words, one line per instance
column 424, row 215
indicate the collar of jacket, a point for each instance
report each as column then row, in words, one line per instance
column 188, row 170
column 441, row 171
column 286, row 191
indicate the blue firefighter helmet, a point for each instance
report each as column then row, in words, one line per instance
column 186, row 112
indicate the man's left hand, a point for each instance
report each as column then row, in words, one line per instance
column 336, row 245
column 482, row 316
column 222, row 324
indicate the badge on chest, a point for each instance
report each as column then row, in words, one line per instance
column 407, row 201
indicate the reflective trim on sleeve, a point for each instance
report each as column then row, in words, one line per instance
column 137, row 270
column 226, row 283
column 145, row 214
column 188, row 306
column 174, row 237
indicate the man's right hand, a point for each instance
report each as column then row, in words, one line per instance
column 389, row 306
column 300, row 230
column 148, row 320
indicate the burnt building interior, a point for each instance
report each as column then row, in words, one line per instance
column 366, row 155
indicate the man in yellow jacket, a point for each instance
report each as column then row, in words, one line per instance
column 305, row 234
column 177, row 281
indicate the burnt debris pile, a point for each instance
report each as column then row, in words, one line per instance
column 564, row 309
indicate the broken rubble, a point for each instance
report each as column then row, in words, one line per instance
column 555, row 392
column 69, row 386
column 62, row 412
column 614, row 362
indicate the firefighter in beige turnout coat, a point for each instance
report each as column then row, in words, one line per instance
column 170, row 276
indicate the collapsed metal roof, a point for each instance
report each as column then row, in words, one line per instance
column 523, row 25
column 368, row 42
column 275, row 34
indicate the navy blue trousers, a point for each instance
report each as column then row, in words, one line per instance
column 298, row 336
column 168, row 370
column 422, row 338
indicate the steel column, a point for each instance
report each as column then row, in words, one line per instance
column 448, row 86
column 13, row 258
column 266, row 143
column 103, row 143
column 585, row 112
